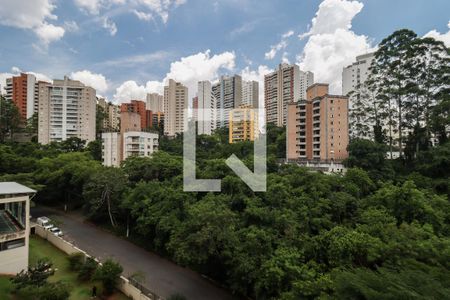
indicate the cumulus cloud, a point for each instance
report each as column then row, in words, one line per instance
column 444, row 37
column 48, row 33
column 188, row 70
column 280, row 46
column 32, row 15
column 97, row 81
column 331, row 43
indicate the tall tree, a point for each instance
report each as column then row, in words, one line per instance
column 9, row 119
column 389, row 79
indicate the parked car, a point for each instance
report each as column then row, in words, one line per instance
column 56, row 231
column 44, row 222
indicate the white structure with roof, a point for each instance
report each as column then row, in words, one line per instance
column 14, row 227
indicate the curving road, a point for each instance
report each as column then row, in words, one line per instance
column 161, row 275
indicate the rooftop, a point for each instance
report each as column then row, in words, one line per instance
column 7, row 188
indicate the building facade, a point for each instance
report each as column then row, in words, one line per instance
column 14, row 227
column 306, row 80
column 356, row 73
column 138, row 107
column 21, row 90
column 139, row 143
column 175, row 103
column 67, row 108
column 281, row 87
column 317, row 127
column 250, row 94
column 206, row 113
column 228, row 95
column 155, row 102
column 111, row 149
column 243, row 124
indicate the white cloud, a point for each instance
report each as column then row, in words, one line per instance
column 143, row 9
column 132, row 61
column 444, row 37
column 97, row 81
column 90, row 6
column 32, row 15
column 110, row 26
column 142, row 15
column 280, row 46
column 48, row 33
column 188, row 70
column 331, row 43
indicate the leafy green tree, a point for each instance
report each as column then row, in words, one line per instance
column 103, row 193
column 87, row 269
column 9, row 119
column 36, row 275
column 109, row 273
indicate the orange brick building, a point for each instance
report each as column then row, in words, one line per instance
column 138, row 107
column 317, row 128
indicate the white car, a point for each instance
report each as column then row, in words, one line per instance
column 44, row 222
column 56, row 231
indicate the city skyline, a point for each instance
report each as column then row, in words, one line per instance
column 128, row 64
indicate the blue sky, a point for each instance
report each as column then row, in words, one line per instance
column 112, row 45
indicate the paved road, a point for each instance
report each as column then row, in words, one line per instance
column 162, row 276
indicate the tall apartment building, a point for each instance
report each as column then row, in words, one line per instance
column 228, row 93
column 250, row 94
column 14, row 227
column 356, row 73
column 281, row 87
column 21, row 90
column 138, row 107
column 67, row 108
column 243, row 124
column 155, row 102
column 207, row 103
column 114, row 116
column 195, row 108
column 175, row 103
column 111, row 149
column 306, row 80
column 317, row 127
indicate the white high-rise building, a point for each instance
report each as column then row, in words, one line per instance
column 228, row 92
column 155, row 102
column 67, row 108
column 206, row 113
column 111, row 149
column 250, row 94
column 356, row 73
column 306, row 80
column 175, row 103
column 281, row 87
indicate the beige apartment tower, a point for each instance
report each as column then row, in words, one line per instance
column 67, row 108
column 175, row 103
column 317, row 127
column 281, row 87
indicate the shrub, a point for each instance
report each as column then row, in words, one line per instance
column 76, row 261
column 87, row 270
column 109, row 273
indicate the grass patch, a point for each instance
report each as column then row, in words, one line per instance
column 40, row 248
